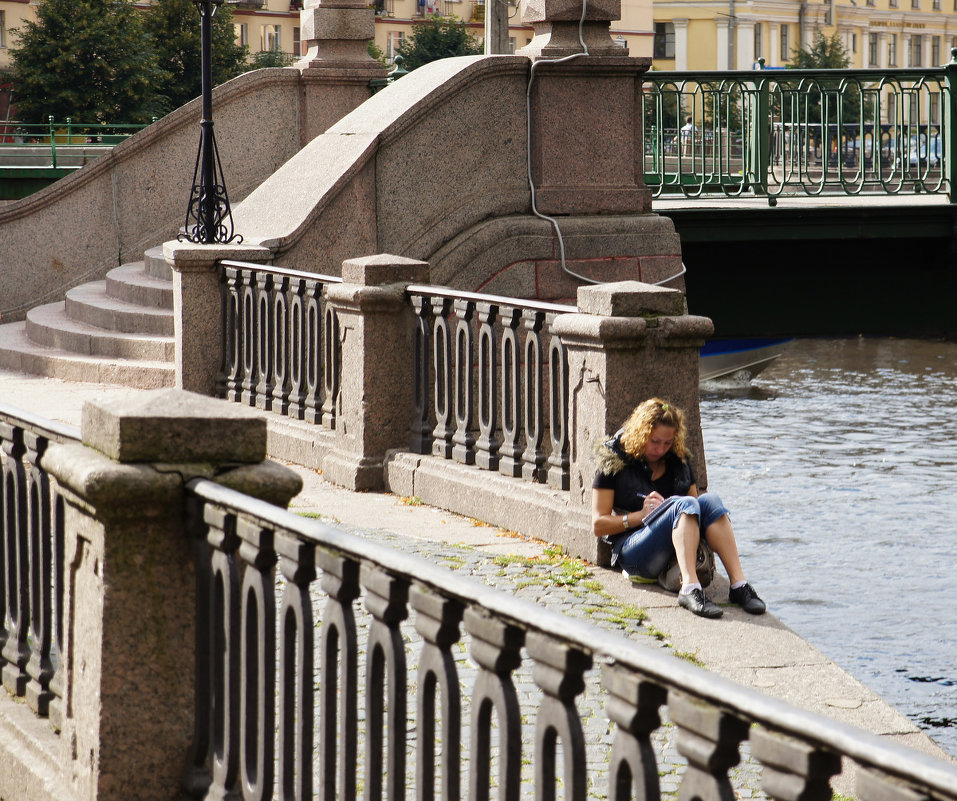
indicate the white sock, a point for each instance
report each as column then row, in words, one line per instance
column 738, row 584
column 687, row 589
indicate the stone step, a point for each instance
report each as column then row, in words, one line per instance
column 133, row 284
column 49, row 325
column 91, row 304
column 156, row 265
column 18, row 353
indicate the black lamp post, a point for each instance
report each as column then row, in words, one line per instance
column 209, row 219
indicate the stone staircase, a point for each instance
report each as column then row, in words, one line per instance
column 117, row 331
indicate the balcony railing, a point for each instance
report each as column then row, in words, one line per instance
column 779, row 133
column 61, row 144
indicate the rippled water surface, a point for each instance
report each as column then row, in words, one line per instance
column 839, row 464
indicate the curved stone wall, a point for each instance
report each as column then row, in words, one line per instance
column 136, row 197
column 435, row 167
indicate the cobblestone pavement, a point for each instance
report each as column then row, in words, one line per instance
column 567, row 586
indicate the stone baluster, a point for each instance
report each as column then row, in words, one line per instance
column 296, row 647
column 331, row 365
column 16, row 567
column 376, row 401
column 257, row 675
column 437, row 620
column 633, row 705
column 297, row 349
column 510, row 462
column 312, row 359
column 708, row 738
column 58, row 680
column 487, row 445
column 421, row 427
column 43, row 591
column 533, row 459
column 442, row 359
column 281, row 350
column 794, row 770
column 249, row 317
column 223, row 655
column 232, row 370
column 265, row 341
column 558, row 413
column 130, row 650
column 559, row 672
column 338, row 678
column 386, row 693
column 496, row 649
column 463, row 449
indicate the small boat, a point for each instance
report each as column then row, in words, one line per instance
column 739, row 360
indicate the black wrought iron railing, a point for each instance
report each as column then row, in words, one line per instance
column 364, row 633
column 31, row 578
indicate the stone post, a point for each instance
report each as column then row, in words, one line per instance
column 198, row 309
column 377, row 336
column 129, row 633
column 585, row 112
column 336, row 68
column 630, row 341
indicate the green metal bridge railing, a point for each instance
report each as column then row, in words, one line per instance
column 778, row 133
column 35, row 144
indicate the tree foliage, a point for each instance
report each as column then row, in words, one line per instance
column 824, row 53
column 90, row 60
column 174, row 26
column 435, row 38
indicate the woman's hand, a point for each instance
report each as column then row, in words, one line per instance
column 652, row 501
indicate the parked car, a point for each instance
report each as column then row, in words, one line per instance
column 919, row 152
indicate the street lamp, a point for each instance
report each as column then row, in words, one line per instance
column 209, row 219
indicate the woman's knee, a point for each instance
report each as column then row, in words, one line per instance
column 687, row 505
column 712, row 508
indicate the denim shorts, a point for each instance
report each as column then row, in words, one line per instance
column 647, row 550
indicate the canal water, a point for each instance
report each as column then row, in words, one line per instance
column 839, row 464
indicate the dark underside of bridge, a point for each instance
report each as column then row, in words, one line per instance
column 834, row 271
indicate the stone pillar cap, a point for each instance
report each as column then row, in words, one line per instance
column 174, row 426
column 630, row 299
column 384, row 268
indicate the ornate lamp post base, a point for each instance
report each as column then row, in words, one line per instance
column 209, row 219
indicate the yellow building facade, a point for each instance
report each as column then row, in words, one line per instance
column 396, row 18
column 734, row 34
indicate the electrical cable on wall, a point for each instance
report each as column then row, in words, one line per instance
column 528, row 155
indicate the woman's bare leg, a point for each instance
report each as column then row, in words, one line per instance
column 685, row 537
column 720, row 536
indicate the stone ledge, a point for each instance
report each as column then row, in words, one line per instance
column 32, row 756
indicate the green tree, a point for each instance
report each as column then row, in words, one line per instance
column 435, row 38
column 174, row 26
column 824, row 53
column 86, row 59
column 271, row 58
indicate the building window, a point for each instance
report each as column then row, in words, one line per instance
column 393, row 44
column 758, row 40
column 271, row 38
column 664, row 40
column 853, row 42
column 935, row 5
column 892, row 50
column 892, row 3
column 870, row 3
column 297, row 41
column 242, row 34
column 915, row 3
column 785, row 42
column 872, row 50
column 935, row 51
column 3, row 31
column 916, row 50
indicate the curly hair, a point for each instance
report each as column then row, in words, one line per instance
column 653, row 412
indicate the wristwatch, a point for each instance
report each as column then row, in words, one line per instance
column 624, row 520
